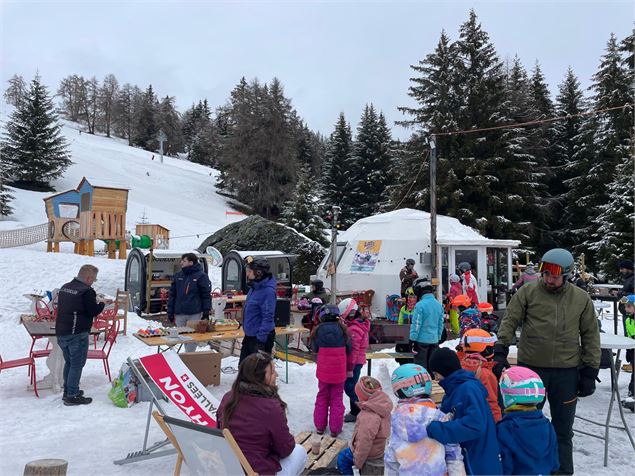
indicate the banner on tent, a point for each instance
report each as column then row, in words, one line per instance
column 366, row 256
column 182, row 388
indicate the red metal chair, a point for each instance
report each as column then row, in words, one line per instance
column 104, row 352
column 104, row 320
column 26, row 361
column 364, row 299
column 42, row 311
column 164, row 294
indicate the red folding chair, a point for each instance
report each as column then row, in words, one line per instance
column 104, row 352
column 42, row 311
column 28, row 362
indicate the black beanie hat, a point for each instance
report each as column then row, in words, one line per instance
column 444, row 361
column 626, row 264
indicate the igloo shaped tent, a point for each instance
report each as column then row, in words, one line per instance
column 373, row 250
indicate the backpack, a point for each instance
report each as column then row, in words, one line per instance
column 393, row 307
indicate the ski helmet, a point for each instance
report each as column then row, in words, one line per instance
column 520, row 385
column 410, row 291
column 317, row 300
column 558, row 262
column 630, row 299
column 422, row 286
column 318, row 284
column 485, row 307
column 347, row 306
column 462, row 300
column 454, row 278
column 411, row 380
column 328, row 312
column 464, row 266
column 260, row 266
column 410, row 262
column 477, row 340
column 470, row 319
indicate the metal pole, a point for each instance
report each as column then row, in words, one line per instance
column 433, row 209
column 333, row 268
column 161, row 150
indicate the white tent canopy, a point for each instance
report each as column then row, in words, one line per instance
column 373, row 250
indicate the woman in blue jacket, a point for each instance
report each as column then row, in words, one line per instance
column 426, row 327
column 472, row 425
column 260, row 306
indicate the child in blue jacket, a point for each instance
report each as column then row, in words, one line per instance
column 472, row 425
column 426, row 328
column 527, row 439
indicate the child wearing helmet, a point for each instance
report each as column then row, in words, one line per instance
column 458, row 304
column 427, row 322
column 331, row 341
column 408, row 309
column 411, row 451
column 470, row 318
column 527, row 439
column 477, row 350
column 489, row 321
column 472, row 425
column 372, row 427
column 469, row 283
column 359, row 328
column 629, row 324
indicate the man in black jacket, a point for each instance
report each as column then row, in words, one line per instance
column 190, row 294
column 76, row 308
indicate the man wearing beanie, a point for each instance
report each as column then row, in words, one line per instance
column 372, row 426
column 472, row 426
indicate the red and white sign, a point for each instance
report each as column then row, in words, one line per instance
column 182, row 388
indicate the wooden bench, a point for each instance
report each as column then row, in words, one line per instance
column 329, row 449
column 370, row 356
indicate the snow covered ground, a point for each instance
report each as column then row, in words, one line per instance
column 180, row 196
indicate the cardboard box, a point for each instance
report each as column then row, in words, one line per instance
column 204, row 365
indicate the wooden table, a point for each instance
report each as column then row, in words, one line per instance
column 164, row 341
column 329, row 449
column 55, row 361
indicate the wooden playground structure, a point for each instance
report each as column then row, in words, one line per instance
column 86, row 214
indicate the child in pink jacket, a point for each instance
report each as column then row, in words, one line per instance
column 359, row 327
column 331, row 342
column 372, row 427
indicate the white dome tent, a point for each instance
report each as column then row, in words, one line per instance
column 373, row 250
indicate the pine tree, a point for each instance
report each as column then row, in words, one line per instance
column 435, row 89
column 338, row 189
column 128, row 100
column 170, row 123
column 107, row 97
column 302, row 212
column 33, row 149
column 614, row 236
column 146, row 126
column 5, row 200
column 480, row 81
column 567, row 214
column 612, row 88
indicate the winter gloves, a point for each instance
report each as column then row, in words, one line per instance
column 413, row 347
column 500, row 357
column 586, row 381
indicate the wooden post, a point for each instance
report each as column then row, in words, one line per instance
column 91, row 248
column 56, row 247
column 49, row 246
column 76, row 248
column 112, row 249
column 433, row 212
column 46, row 467
column 122, row 249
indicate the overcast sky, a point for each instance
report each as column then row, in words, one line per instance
column 331, row 56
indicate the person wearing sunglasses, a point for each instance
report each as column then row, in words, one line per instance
column 559, row 340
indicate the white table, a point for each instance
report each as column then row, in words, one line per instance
column 612, row 342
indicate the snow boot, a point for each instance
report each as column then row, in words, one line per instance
column 350, row 418
column 629, row 404
column 77, row 400
column 64, row 397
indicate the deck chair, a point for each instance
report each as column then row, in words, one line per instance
column 166, row 429
column 208, row 450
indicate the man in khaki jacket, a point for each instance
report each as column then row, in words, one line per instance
column 559, row 340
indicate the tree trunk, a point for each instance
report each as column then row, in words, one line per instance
column 46, row 467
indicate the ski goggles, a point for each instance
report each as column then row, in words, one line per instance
column 552, row 268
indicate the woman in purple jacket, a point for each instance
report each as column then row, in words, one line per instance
column 256, row 415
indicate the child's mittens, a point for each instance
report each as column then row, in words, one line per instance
column 456, row 468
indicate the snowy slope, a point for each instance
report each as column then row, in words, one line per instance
column 180, row 196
